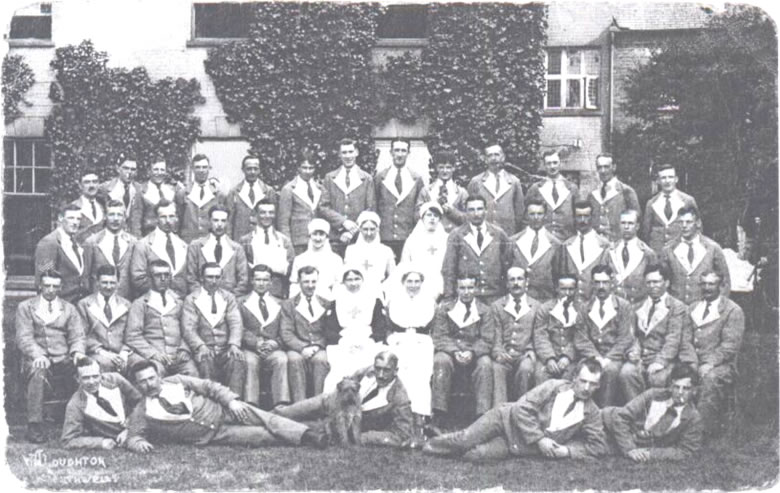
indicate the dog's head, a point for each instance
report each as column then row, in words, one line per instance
column 348, row 391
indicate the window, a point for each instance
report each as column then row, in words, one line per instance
column 27, row 166
column 32, row 23
column 222, row 20
column 403, row 22
column 572, row 78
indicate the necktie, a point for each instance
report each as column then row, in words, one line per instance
column 170, row 251
column 252, row 193
column 346, row 177
column 265, row 231
column 374, row 392
column 601, row 309
column 310, row 191
column 652, row 310
column 107, row 309
column 603, row 191
column 571, row 406
column 690, row 252
column 162, row 297
column 51, row 307
column 706, row 310
column 663, row 424
column 126, row 196
column 566, row 305
column 668, row 209
column 75, row 247
column 582, row 248
column 202, row 192
column 178, row 408
column 535, row 243
column 159, row 191
column 518, row 306
column 624, row 255
column 468, row 313
column 105, row 405
column 115, row 253
column 555, row 195
column 443, row 193
column 311, row 308
column 480, row 237
column 218, row 250
column 214, row 302
column 498, row 184
column 398, row 182
column 263, row 308
column 94, row 209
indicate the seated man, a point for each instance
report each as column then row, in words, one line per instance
column 211, row 327
column 95, row 415
column 556, row 419
column 50, row 336
column 185, row 409
column 554, row 329
column 387, row 412
column 658, row 424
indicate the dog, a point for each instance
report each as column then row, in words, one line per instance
column 344, row 414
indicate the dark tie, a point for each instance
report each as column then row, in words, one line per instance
column 690, row 252
column 468, row 313
column 652, row 310
column 51, row 307
column 311, row 308
column 214, row 302
column 398, row 182
column 170, row 251
column 310, row 191
column 663, row 424
column 601, row 309
column 94, row 209
column 178, row 408
column 518, row 306
column 265, row 231
column 202, row 192
column 566, row 305
column 263, row 308
column 571, row 406
column 706, row 310
column 105, row 405
column 162, row 297
column 624, row 254
column 115, row 253
column 480, row 237
column 252, row 194
column 603, row 192
column 374, row 392
column 76, row 251
column 107, row 309
column 126, row 196
column 498, row 183
column 668, row 209
column 582, row 248
column 159, row 190
column 346, row 178
column 218, row 250
column 555, row 192
column 535, row 243
column 443, row 193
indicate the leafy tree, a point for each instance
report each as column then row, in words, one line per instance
column 18, row 78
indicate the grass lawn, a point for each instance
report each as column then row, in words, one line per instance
column 749, row 461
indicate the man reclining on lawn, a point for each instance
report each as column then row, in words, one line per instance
column 658, row 424
column 556, row 419
column 185, row 409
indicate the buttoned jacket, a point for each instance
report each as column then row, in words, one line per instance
column 661, row 342
column 58, row 339
column 235, row 271
column 540, row 270
column 398, row 217
column 336, row 206
column 279, row 280
column 716, row 341
column 150, row 332
column 683, row 283
column 606, row 215
column 106, row 192
column 242, row 217
column 630, row 285
column 194, row 219
column 100, row 332
column 49, row 254
column 102, row 254
column 297, row 332
column 611, row 340
column 566, row 264
column 506, row 210
column 656, row 231
column 144, row 255
column 142, row 218
column 256, row 330
column 294, row 212
column 552, row 337
column 88, row 228
column 477, row 337
column 511, row 332
column 197, row 330
column 558, row 218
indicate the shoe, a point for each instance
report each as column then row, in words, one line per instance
column 432, row 431
column 314, row 439
column 35, row 433
column 432, row 449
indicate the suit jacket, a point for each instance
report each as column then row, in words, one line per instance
column 296, row 210
column 613, row 339
column 280, row 261
column 553, row 337
column 528, row 420
column 336, row 206
column 298, row 331
column 505, row 208
column 630, row 279
column 606, row 212
column 568, row 263
column 103, row 333
column 559, row 218
column 114, row 190
column 235, row 275
column 256, row 328
column 218, row 332
column 194, row 214
column 398, row 213
column 86, row 424
column 57, row 339
column 449, row 336
column 87, row 226
column 656, row 230
column 454, row 207
column 715, row 340
column 661, row 341
column 50, row 254
column 206, row 400
column 150, row 332
column 490, row 264
column 513, row 332
column 684, row 282
column 145, row 252
column 242, row 218
column 142, row 220
column 102, row 249
column 540, row 269
column 676, row 443
column 395, row 417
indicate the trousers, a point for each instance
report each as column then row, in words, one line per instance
column 481, row 371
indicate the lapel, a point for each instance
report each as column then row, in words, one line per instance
column 152, row 195
column 207, row 250
column 114, row 397
column 243, row 194
column 609, row 312
column 106, row 245
column 303, row 309
column 661, row 310
column 458, row 311
column 452, row 191
column 117, row 310
column 489, row 183
column 545, row 190
column 116, row 191
column 42, row 310
column 557, row 313
column 509, row 307
column 203, row 303
column 194, row 195
column 558, row 421
column 697, row 314
column 261, row 252
column 86, row 211
column 154, row 301
column 71, row 255
column 592, row 249
column 301, row 191
column 471, row 239
column 526, row 239
column 251, row 304
column 407, row 183
column 173, row 393
column 613, row 189
column 635, row 256
column 367, row 385
column 699, row 252
column 660, row 202
column 355, row 179
column 157, row 245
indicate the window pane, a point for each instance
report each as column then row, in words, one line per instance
column 24, row 180
column 593, row 93
column 223, row 20
column 8, row 150
column 574, row 60
column 31, row 26
column 403, row 21
column 42, row 180
column 24, row 153
column 42, row 155
column 573, row 93
column 553, row 94
column 592, row 62
column 553, row 62
column 8, row 178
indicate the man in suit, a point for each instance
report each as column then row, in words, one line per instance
column 124, row 189
column 689, row 256
column 504, row 201
column 211, row 327
column 161, row 244
column 554, row 328
column 463, row 335
column 61, row 250
column 201, row 412
column 513, row 346
column 95, row 416
column 242, row 198
column 399, row 194
column 92, row 213
column 106, row 314
column 50, row 336
column 610, row 198
column 195, row 201
column 153, row 326
column 629, row 257
column 660, row 225
column 477, row 247
column 605, row 333
column 217, row 247
column 535, row 249
column 583, row 251
column 346, row 192
column 659, row 424
column 658, row 321
column 114, row 247
column 557, row 419
column 270, row 247
column 386, row 409
column 143, row 213
column 559, row 194
column 262, row 341
column 305, row 319
column 712, row 339
column 298, row 203
column 450, row 196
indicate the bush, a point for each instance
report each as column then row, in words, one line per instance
column 18, row 78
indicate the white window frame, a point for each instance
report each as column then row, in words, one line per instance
column 586, row 80
column 13, row 167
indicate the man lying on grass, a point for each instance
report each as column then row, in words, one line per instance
column 556, row 419
column 184, row 409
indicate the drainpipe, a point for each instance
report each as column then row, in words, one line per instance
column 611, row 48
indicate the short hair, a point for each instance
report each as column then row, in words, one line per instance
column 657, row 268
column 87, row 171
column 567, row 275
column 492, row 143
column 115, row 203
column 306, row 155
column 684, row 371
column 162, row 203
column 200, row 157
column 537, row 203
column 260, row 268
column 688, row 209
column 403, row 140
column 141, row 366
column 712, row 272
column 388, row 356
column 591, row 363
column 406, row 275
column 264, row 201
column 69, row 207
column 601, row 269
column 307, row 269
column 51, row 273
column 550, row 153
column 158, row 263
column 466, row 276
column 607, row 155
column 444, row 157
column 218, row 208
column 525, row 271
column 249, row 157
column 347, row 142
column 630, row 211
column 474, row 198
column 85, row 361
column 209, row 265
column 349, row 271
column 582, row 204
column 665, row 167
column 106, row 270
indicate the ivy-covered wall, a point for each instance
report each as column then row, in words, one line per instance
column 18, row 78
